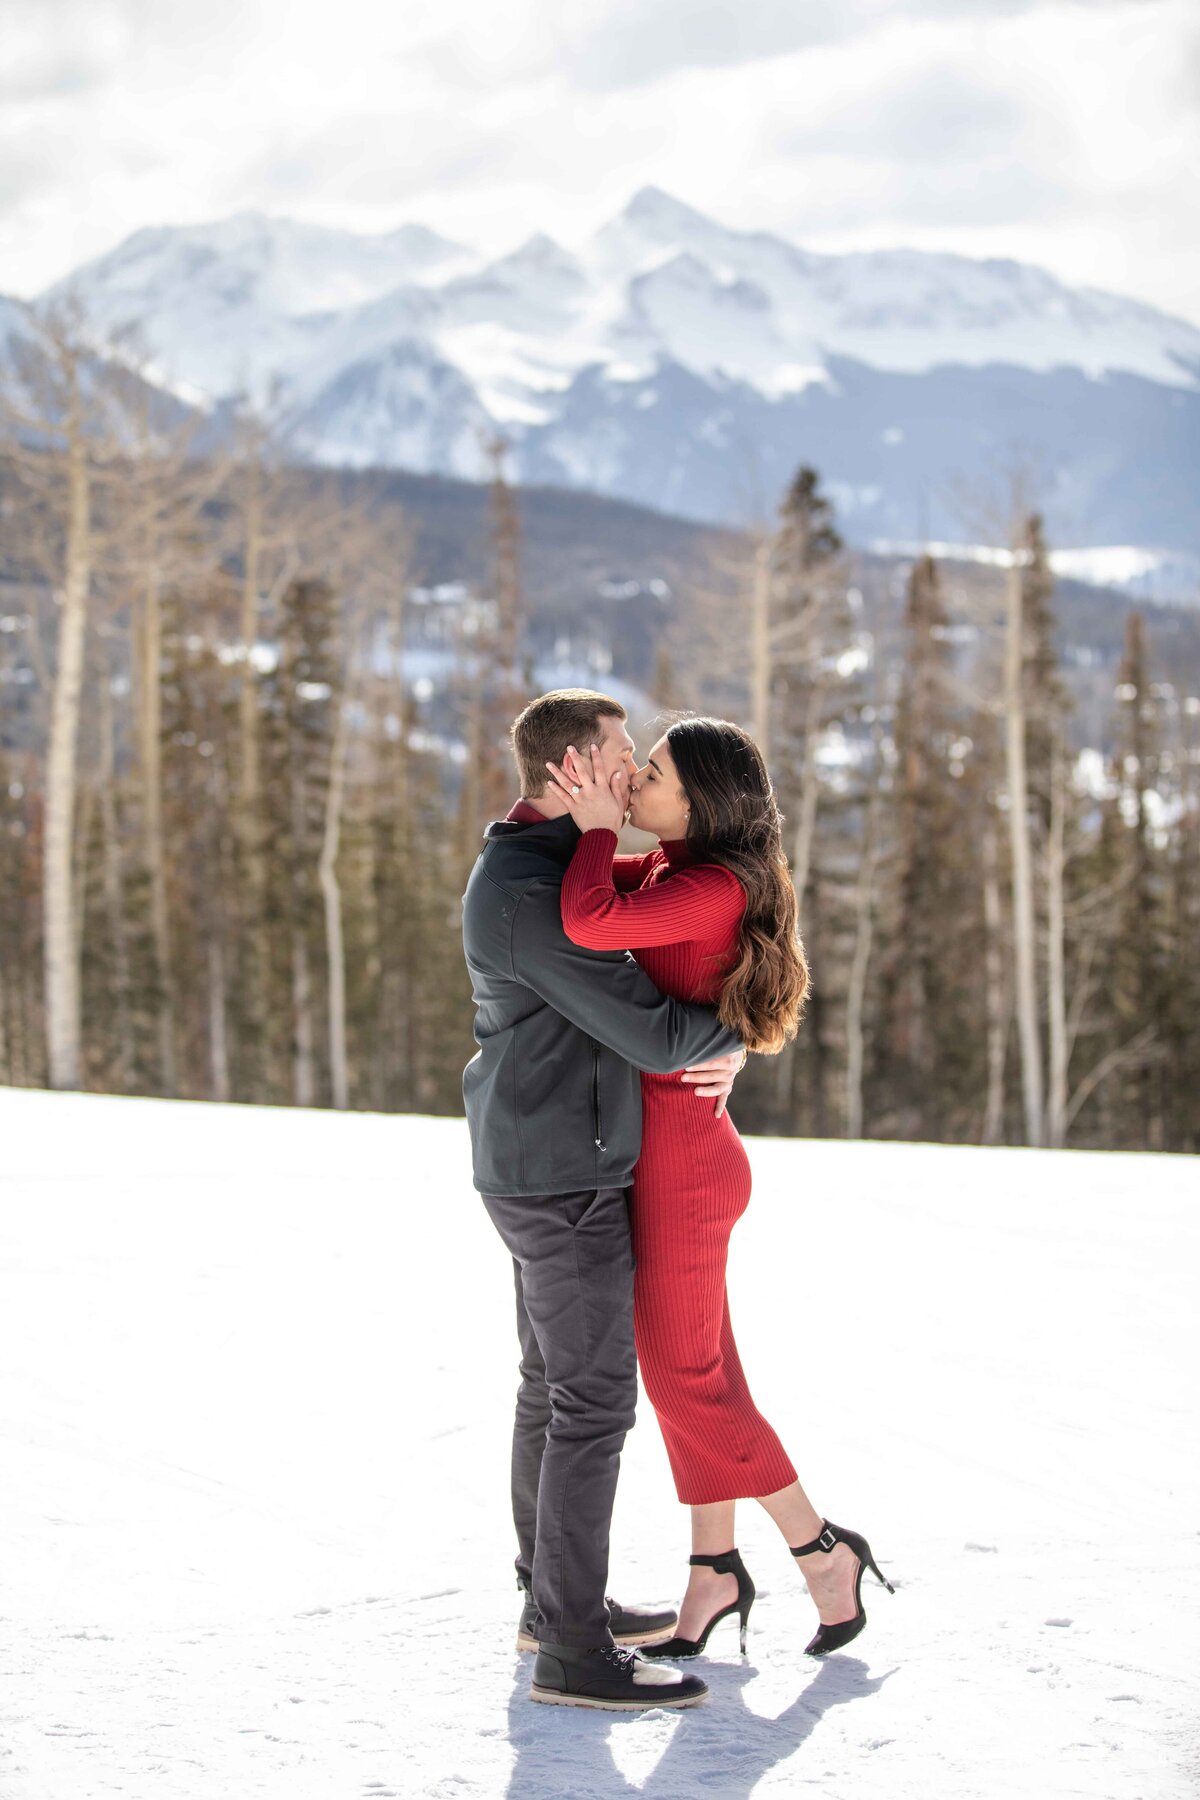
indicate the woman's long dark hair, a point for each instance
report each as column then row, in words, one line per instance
column 735, row 822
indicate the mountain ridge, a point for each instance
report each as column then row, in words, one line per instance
column 577, row 351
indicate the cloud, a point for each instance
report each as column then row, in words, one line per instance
column 631, row 44
column 52, row 77
column 936, row 115
column 1061, row 132
column 58, row 51
column 380, row 158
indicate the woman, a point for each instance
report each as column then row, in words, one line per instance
column 710, row 915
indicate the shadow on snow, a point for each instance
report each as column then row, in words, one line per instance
column 720, row 1749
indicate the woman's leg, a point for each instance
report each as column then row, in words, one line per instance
column 829, row 1574
column 707, row 1592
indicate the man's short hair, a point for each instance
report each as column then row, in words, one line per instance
column 548, row 727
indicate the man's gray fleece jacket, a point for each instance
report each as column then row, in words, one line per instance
column 553, row 1097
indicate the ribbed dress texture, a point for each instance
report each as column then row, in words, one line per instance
column 692, row 1182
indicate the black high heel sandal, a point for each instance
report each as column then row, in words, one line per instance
column 833, row 1637
column 727, row 1563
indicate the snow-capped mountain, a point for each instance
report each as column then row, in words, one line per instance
column 684, row 362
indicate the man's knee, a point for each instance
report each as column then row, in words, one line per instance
column 590, row 1407
column 533, row 1406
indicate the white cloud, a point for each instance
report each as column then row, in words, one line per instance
column 1064, row 133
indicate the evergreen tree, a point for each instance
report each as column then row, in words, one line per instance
column 816, row 703
column 22, row 1036
column 1180, row 770
column 928, row 984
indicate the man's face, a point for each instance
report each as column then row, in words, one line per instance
column 617, row 752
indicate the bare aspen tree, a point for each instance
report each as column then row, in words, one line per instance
column 810, row 790
column 219, row 838
column 265, row 529
column 335, row 948
column 1056, row 990
column 163, row 495
column 148, row 644
column 387, row 594
column 1138, row 944
column 63, row 1021
column 505, row 531
column 365, row 556
column 1135, row 1054
column 470, row 644
column 250, row 486
column 499, row 665
column 395, row 615
column 996, row 989
column 148, row 638
column 1024, row 930
column 760, row 644
column 334, row 939
column 385, row 582
column 114, row 887
column 304, row 1087
column 218, row 1028
column 864, row 925
column 491, row 671
column 57, row 436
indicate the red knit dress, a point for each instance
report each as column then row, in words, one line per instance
column 692, row 1182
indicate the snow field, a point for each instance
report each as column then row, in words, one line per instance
column 256, row 1374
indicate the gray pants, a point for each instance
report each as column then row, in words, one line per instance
column 573, row 1264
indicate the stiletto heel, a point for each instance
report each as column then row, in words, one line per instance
column 834, row 1637
column 727, row 1563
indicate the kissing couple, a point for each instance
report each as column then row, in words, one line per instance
column 616, row 999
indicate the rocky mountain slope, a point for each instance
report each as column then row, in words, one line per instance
column 685, row 363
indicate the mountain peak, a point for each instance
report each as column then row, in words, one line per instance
column 540, row 251
column 420, row 239
column 652, row 208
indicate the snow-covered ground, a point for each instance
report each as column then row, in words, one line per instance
column 256, row 1370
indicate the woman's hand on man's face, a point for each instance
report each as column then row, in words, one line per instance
column 596, row 803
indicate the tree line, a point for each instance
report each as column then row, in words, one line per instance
column 235, row 826
column 1002, row 925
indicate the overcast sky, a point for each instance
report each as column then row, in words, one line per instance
column 1065, row 134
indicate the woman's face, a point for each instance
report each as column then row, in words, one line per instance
column 657, row 802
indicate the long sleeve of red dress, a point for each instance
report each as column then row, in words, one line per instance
column 630, row 871
column 703, row 901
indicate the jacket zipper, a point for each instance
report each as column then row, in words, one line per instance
column 600, row 1144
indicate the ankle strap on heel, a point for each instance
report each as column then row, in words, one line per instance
column 825, row 1541
column 727, row 1563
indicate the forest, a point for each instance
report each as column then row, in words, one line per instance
column 253, row 720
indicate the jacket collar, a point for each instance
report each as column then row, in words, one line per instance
column 555, row 838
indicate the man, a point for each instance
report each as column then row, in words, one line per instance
column 554, row 1104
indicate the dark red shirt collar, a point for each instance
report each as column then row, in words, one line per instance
column 524, row 814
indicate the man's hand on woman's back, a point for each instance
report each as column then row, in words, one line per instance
column 714, row 1080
